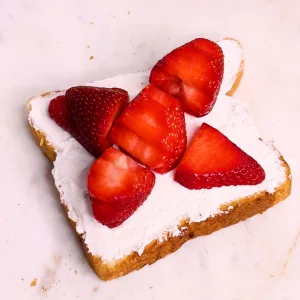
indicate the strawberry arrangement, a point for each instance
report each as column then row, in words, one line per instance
column 150, row 133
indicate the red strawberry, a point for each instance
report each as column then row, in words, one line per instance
column 212, row 160
column 58, row 112
column 117, row 187
column 192, row 73
column 152, row 130
column 92, row 111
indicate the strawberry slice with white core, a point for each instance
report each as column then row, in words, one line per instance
column 192, row 73
column 117, row 186
column 152, row 130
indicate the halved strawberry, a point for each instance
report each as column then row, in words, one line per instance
column 92, row 111
column 192, row 73
column 212, row 160
column 88, row 113
column 117, row 186
column 58, row 112
column 152, row 130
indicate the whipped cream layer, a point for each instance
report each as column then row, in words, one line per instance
column 169, row 202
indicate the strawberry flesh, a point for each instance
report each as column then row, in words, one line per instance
column 117, row 186
column 212, row 160
column 152, row 130
column 192, row 73
column 92, row 111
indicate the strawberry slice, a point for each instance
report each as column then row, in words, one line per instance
column 117, row 186
column 92, row 111
column 58, row 112
column 88, row 113
column 192, row 73
column 152, row 130
column 212, row 160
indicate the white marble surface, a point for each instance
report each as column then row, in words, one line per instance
column 46, row 45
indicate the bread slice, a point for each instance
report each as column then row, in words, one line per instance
column 228, row 212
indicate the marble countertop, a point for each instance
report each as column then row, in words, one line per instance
column 48, row 45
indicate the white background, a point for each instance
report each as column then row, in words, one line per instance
column 46, row 45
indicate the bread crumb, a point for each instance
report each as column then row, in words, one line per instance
column 91, row 23
column 290, row 252
column 88, row 46
column 91, row 57
column 33, row 282
column 75, row 272
column 128, row 12
column 95, row 289
column 49, row 280
column 57, row 259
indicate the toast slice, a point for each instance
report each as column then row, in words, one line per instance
column 143, row 239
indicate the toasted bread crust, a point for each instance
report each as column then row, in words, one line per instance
column 239, row 74
column 241, row 210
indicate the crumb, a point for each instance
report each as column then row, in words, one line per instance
column 91, row 57
column 95, row 289
column 75, row 272
column 50, row 279
column 22, row 279
column 57, row 260
column 128, row 12
column 150, row 287
column 33, row 282
column 88, row 46
column 91, row 23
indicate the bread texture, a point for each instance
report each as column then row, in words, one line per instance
column 240, row 210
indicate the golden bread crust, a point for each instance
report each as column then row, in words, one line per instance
column 239, row 74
